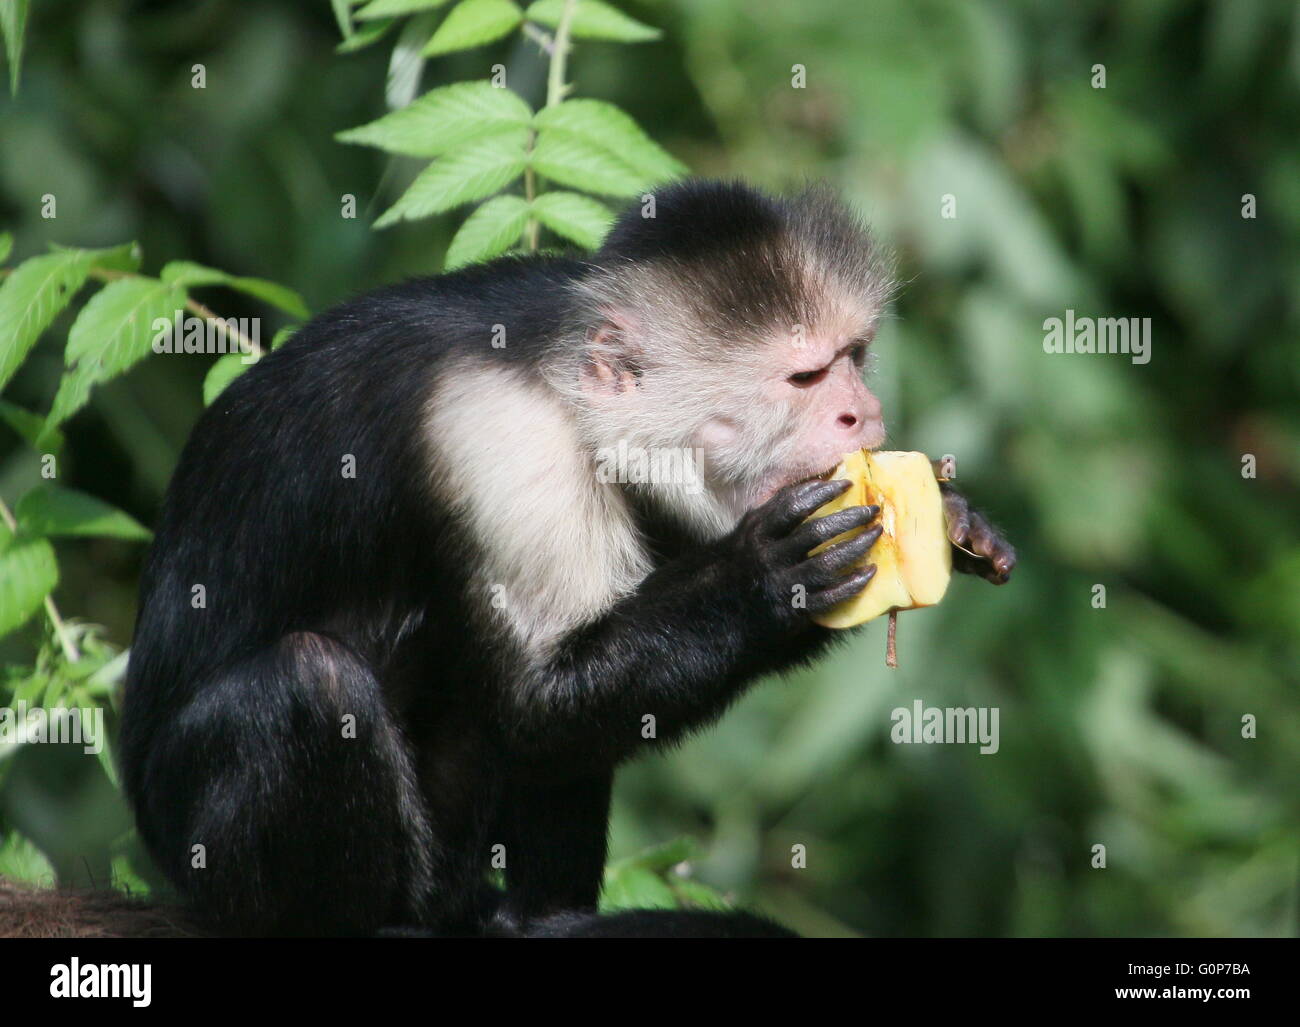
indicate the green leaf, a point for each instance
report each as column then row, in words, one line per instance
column 188, row 275
column 575, row 217
column 13, row 24
column 50, row 511
column 662, row 857
column 604, row 125
column 633, row 887
column 474, row 23
column 21, row 860
column 124, row 257
column 593, row 20
column 221, row 374
column 28, row 573
column 369, row 33
column 395, row 8
column 31, row 297
column 29, row 425
column 463, row 176
column 113, row 332
column 698, row 896
column 573, row 161
column 6, row 245
column 489, row 231
column 343, row 15
column 446, row 119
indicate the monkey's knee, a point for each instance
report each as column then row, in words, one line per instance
column 283, row 800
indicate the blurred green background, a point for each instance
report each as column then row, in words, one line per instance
column 1119, row 726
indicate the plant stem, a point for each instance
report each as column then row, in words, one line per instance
column 60, row 628
column 558, row 50
column 555, row 87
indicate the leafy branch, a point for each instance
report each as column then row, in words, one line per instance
column 486, row 144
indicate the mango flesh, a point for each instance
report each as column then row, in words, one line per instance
column 913, row 556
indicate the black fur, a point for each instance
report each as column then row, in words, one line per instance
column 328, row 597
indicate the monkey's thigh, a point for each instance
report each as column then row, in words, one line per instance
column 554, row 834
column 283, row 800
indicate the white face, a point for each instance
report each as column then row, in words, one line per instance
column 809, row 407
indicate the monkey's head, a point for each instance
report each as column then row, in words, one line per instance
column 734, row 325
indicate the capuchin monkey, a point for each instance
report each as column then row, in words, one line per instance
column 410, row 602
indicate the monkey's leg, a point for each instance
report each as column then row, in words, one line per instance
column 555, row 844
column 281, row 799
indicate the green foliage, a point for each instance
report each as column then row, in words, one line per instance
column 13, row 23
column 658, row 878
column 484, row 138
column 49, row 511
column 474, row 23
column 593, row 19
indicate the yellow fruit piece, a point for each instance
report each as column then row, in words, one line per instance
column 913, row 557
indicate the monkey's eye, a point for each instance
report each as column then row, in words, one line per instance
column 807, row 377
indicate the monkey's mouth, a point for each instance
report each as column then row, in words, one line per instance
column 819, row 476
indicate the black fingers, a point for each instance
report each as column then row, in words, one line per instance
column 981, row 549
column 819, row 602
column 997, row 553
column 790, row 507
column 830, row 565
column 957, row 513
column 812, row 534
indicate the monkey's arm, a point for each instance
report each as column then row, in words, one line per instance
column 696, row 632
column 978, row 547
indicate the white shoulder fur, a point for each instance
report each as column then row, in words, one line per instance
column 507, row 456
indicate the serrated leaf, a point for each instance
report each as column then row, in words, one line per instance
column 49, row 511
column 188, row 275
column 6, row 245
column 113, row 331
column 13, row 25
column 463, row 176
column 28, row 573
column 474, row 23
column 593, row 20
column 369, row 33
column 604, row 125
column 580, row 164
column 31, row 298
column 222, row 373
column 445, row 119
column 575, row 217
column 29, row 425
column 21, row 860
column 488, row 232
column 395, row 8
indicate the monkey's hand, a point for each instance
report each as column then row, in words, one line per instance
column 775, row 539
column 978, row 547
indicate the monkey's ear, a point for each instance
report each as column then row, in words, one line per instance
column 611, row 366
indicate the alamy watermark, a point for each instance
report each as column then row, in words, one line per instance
column 189, row 334
column 1131, row 335
column 953, row 725
column 61, row 725
column 624, row 464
